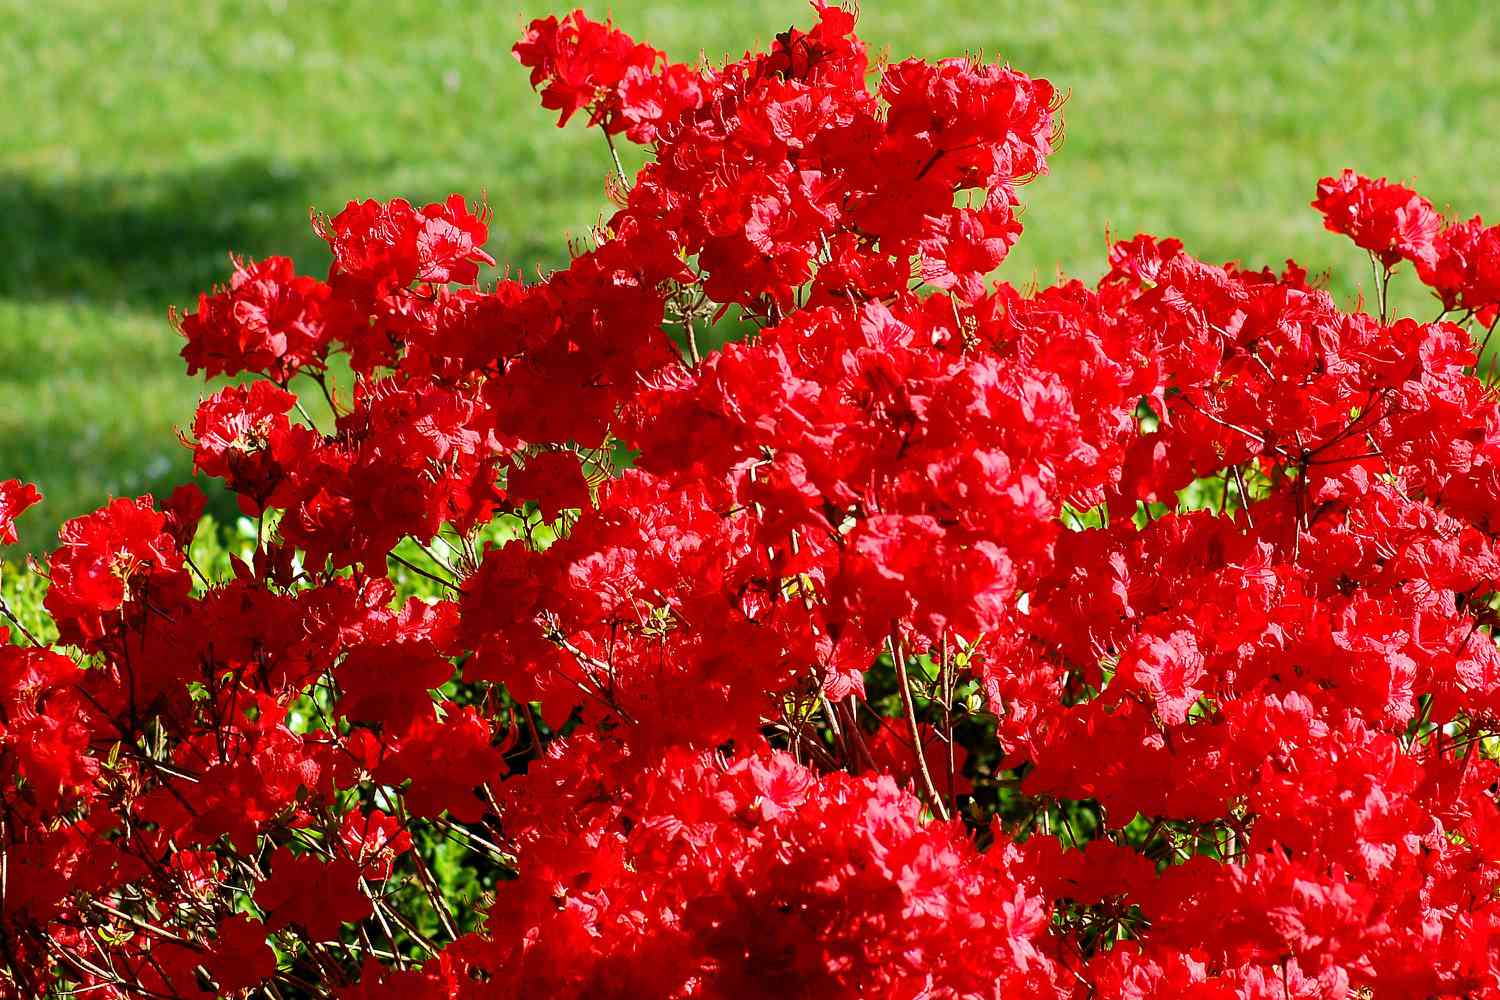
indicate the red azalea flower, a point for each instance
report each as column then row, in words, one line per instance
column 15, row 498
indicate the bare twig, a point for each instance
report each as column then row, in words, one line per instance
column 898, row 657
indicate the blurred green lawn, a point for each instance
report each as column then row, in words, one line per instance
column 142, row 140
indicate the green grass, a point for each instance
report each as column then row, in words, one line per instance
column 144, row 139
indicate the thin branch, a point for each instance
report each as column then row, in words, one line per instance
column 429, row 884
column 6, row 611
column 614, row 154
column 898, row 657
column 422, row 572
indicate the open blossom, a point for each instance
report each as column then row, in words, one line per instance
column 15, row 498
column 1465, row 269
column 314, row 895
column 118, row 553
column 1391, row 221
column 772, row 602
column 1168, row 670
column 268, row 319
column 392, row 244
column 238, row 433
column 553, row 480
column 964, row 246
column 579, row 64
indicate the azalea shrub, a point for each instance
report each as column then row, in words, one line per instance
column 769, row 603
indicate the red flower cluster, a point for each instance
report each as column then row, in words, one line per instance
column 269, row 319
column 626, row 86
column 942, row 640
column 1466, row 271
column 1390, row 221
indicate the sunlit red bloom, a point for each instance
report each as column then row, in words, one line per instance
column 15, row 498
column 269, row 319
column 1465, row 271
column 120, row 552
column 391, row 244
column 1391, row 221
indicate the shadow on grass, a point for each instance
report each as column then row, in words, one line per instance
column 157, row 239
column 88, row 266
column 71, row 496
column 151, row 239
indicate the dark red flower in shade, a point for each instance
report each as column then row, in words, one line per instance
column 442, row 978
column 893, row 752
column 15, row 498
column 373, row 840
column 184, row 511
column 553, row 480
column 1391, row 221
column 313, row 893
column 268, row 320
column 449, row 758
column 388, row 683
column 241, row 958
column 259, row 779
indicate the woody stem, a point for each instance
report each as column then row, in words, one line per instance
column 908, row 705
